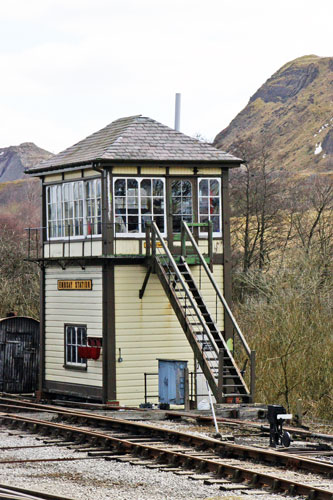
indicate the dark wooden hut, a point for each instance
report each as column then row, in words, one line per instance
column 19, row 354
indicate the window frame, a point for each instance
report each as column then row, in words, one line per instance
column 139, row 179
column 84, row 219
column 215, row 233
column 81, row 366
column 181, row 198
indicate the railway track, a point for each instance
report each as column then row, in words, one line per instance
column 228, row 465
column 14, row 493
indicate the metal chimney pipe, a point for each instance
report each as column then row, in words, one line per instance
column 177, row 112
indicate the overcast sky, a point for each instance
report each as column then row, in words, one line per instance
column 70, row 67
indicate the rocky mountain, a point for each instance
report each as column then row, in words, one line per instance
column 293, row 111
column 15, row 159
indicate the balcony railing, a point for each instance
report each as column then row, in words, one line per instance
column 68, row 241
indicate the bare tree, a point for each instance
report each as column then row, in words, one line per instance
column 256, row 201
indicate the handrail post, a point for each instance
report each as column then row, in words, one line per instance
column 210, row 244
column 220, row 377
column 148, row 230
column 153, row 241
column 253, row 375
column 183, row 240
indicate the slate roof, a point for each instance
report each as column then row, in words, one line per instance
column 135, row 138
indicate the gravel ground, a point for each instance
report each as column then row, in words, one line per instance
column 96, row 479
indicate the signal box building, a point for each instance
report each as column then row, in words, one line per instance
column 135, row 263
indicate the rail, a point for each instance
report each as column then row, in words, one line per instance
column 186, row 233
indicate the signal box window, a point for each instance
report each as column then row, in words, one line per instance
column 75, row 337
column 136, row 202
column 210, row 204
column 181, row 192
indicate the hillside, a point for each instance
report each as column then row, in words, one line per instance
column 15, row 159
column 294, row 110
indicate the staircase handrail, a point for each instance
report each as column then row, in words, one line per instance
column 181, row 280
column 217, row 290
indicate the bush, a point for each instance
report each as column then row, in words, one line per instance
column 287, row 319
column 19, row 291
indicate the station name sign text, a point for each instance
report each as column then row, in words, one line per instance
column 74, row 284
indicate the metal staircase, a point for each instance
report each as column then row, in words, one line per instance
column 208, row 344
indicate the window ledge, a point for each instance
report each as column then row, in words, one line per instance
column 76, row 368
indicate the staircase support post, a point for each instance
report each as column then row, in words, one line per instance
column 220, row 377
column 148, row 229
column 253, row 375
column 183, row 241
column 186, row 390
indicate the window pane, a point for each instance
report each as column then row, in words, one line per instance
column 121, row 224
column 214, row 187
column 84, row 336
column 133, row 202
column 203, row 187
column 144, row 220
column 145, row 187
column 119, row 187
column 215, row 206
column 145, row 205
column 203, row 206
column 176, row 205
column 187, row 206
column 186, row 188
column 176, row 223
column 132, row 187
column 133, row 224
column 120, row 205
column 216, row 223
column 98, row 188
column 160, row 223
column 176, row 188
column 158, row 206
column 68, row 335
column 157, row 187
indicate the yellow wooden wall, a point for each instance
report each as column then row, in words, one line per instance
column 75, row 307
column 147, row 329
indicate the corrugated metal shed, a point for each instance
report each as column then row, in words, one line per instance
column 19, row 354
